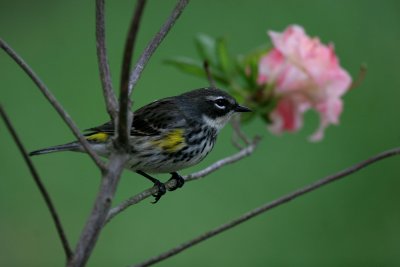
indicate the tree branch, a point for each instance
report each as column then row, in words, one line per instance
column 124, row 100
column 152, row 46
column 39, row 184
column 105, row 75
column 247, row 151
column 53, row 101
column 102, row 205
column 264, row 208
column 210, row 78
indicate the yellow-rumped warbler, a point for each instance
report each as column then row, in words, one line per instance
column 167, row 135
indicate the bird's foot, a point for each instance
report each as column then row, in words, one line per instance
column 179, row 181
column 161, row 190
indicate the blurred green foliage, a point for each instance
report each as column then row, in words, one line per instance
column 354, row 222
column 237, row 74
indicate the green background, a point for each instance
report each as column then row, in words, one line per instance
column 353, row 222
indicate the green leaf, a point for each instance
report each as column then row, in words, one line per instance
column 245, row 71
column 224, row 60
column 187, row 65
column 254, row 72
column 247, row 66
column 206, row 47
column 196, row 68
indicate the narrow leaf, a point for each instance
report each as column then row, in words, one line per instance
column 206, row 47
column 196, row 68
column 224, row 60
column 187, row 65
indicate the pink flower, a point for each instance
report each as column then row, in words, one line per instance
column 305, row 74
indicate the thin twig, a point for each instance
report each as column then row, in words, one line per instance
column 124, row 101
column 235, row 142
column 102, row 204
column 154, row 43
column 247, row 151
column 53, row 101
column 210, row 78
column 194, row 176
column 235, row 122
column 264, row 208
column 361, row 76
column 104, row 68
column 40, row 185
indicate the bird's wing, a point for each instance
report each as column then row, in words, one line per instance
column 150, row 120
column 107, row 127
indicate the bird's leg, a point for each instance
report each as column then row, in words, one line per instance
column 160, row 186
column 178, row 180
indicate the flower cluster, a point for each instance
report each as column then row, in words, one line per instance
column 305, row 74
column 280, row 83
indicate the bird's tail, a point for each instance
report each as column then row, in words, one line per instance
column 74, row 146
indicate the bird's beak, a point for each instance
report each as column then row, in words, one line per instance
column 240, row 108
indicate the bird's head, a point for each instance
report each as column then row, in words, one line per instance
column 213, row 106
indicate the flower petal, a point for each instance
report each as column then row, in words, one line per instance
column 306, row 74
column 288, row 115
column 329, row 114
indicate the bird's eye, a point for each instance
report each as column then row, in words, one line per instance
column 221, row 103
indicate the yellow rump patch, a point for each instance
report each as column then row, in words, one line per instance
column 98, row 137
column 172, row 141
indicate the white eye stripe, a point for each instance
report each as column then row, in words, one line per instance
column 220, row 102
column 214, row 98
column 219, row 106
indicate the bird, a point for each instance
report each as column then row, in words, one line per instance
column 167, row 135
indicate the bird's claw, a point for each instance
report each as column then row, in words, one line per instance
column 179, row 181
column 161, row 190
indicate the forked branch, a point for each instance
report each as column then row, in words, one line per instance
column 118, row 158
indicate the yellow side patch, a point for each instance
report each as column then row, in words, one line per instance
column 98, row 137
column 172, row 141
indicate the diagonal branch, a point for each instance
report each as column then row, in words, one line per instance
column 53, row 101
column 124, row 101
column 104, row 68
column 102, row 204
column 266, row 207
column 152, row 46
column 39, row 183
column 194, row 176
